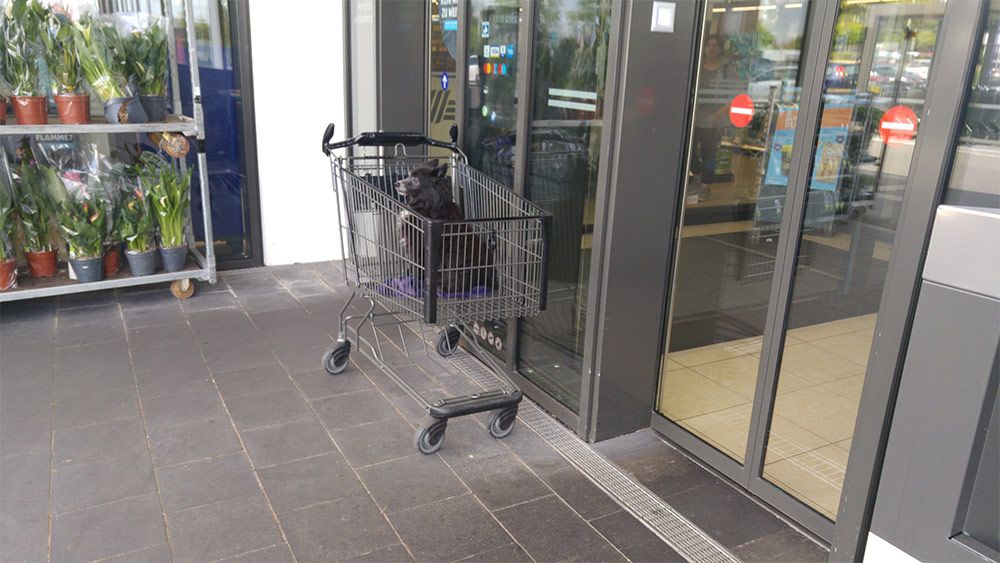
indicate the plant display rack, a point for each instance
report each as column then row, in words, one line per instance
column 203, row 268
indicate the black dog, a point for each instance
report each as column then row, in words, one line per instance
column 466, row 261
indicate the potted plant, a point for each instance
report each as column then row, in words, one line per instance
column 100, row 50
column 83, row 219
column 170, row 195
column 137, row 227
column 72, row 104
column 8, row 227
column 147, row 61
column 34, row 208
column 22, row 26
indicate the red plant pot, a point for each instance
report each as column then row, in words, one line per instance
column 112, row 260
column 73, row 108
column 8, row 274
column 3, row 111
column 42, row 264
column 30, row 110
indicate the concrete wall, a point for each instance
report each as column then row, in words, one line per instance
column 298, row 81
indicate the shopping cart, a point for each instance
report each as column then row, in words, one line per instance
column 433, row 276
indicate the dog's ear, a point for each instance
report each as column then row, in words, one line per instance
column 440, row 171
column 431, row 166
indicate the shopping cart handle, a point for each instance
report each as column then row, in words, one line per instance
column 384, row 139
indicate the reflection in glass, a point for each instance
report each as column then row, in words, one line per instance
column 976, row 169
column 570, row 62
column 876, row 82
column 733, row 198
column 443, row 50
column 490, row 97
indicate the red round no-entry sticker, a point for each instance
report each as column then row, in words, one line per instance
column 898, row 124
column 741, row 110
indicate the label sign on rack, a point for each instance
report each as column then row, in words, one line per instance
column 898, row 124
column 741, row 110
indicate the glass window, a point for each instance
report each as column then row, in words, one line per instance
column 443, row 54
column 975, row 173
column 733, row 200
column 570, row 65
column 876, row 84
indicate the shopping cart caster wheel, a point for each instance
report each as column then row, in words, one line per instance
column 430, row 438
column 182, row 289
column 447, row 341
column 335, row 359
column 502, row 422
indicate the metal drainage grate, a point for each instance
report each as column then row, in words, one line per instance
column 670, row 526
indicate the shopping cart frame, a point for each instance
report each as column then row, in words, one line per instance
column 503, row 400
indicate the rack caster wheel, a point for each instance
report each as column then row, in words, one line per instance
column 182, row 289
column 335, row 359
column 502, row 422
column 430, row 438
column 448, row 341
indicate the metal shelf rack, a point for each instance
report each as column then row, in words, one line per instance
column 202, row 268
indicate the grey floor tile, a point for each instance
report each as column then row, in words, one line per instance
column 154, row 316
column 466, row 440
column 88, row 299
column 177, row 444
column 361, row 407
column 604, row 554
column 623, row 530
column 652, row 552
column 209, row 301
column 25, row 437
column 347, row 528
column 279, row 553
column 115, row 438
column 535, row 452
column 506, row 554
column 24, row 475
column 549, row 530
column 462, row 527
column 286, row 442
column 155, row 338
column 379, row 441
column 205, row 481
column 79, row 335
column 267, row 409
column 252, row 381
column 221, row 529
column 391, row 554
column 159, row 383
column 726, row 514
column 79, row 485
column 183, row 408
column 501, row 481
column 411, row 481
column 590, row 501
column 95, row 406
column 783, row 545
column 279, row 299
column 305, row 482
column 241, row 354
column 316, row 383
column 24, row 529
column 89, row 316
column 155, row 554
column 109, row 529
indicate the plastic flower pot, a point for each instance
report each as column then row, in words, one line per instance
column 112, row 260
column 155, row 107
column 8, row 274
column 141, row 263
column 124, row 110
column 88, row 269
column 42, row 264
column 173, row 258
column 73, row 108
column 30, row 110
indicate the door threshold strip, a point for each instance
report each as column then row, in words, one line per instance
column 683, row 536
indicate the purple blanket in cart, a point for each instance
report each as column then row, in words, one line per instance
column 413, row 287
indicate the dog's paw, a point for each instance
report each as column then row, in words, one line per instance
column 404, row 215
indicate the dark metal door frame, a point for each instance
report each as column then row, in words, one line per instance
column 955, row 52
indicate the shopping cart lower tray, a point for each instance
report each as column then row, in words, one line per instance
column 432, row 249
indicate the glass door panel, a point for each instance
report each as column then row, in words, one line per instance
column 443, row 55
column 734, row 194
column 570, row 65
column 875, row 86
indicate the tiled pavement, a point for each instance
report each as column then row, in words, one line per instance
column 135, row 427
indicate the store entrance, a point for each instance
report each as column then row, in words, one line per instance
column 771, row 320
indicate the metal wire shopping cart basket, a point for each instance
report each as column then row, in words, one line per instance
column 436, row 276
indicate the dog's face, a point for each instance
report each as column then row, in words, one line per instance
column 426, row 188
